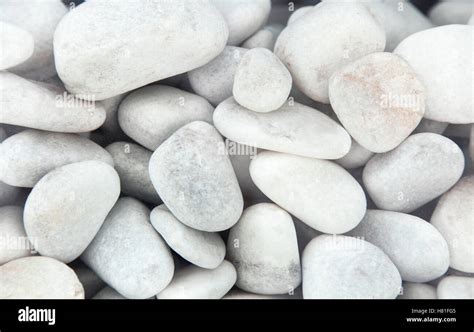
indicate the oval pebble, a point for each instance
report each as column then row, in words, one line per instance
column 108, row 293
column 455, row 287
column 131, row 163
column 151, row 114
column 357, row 156
column 27, row 156
column 13, row 240
column 264, row 250
column 344, row 33
column 39, row 278
column 208, row 197
column 417, row 291
column 193, row 282
column 42, row 106
column 378, row 99
column 342, row 267
column 417, row 249
column 294, row 128
column 454, row 218
column 66, row 208
column 215, row 80
column 124, row 40
column 204, row 249
column 318, row 192
column 17, row 45
column 442, row 59
column 420, row 169
column 243, row 17
column 128, row 254
column 262, row 83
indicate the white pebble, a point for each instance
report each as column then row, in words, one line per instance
column 13, row 240
column 457, row 288
column 17, row 45
column 357, row 156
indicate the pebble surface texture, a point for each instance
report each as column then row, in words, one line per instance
column 11, row 228
column 195, row 179
column 455, row 287
column 17, row 44
column 420, row 169
column 115, row 33
column 342, row 33
column 263, row 248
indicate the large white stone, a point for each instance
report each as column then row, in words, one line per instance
column 13, row 240
column 104, row 48
column 318, row 192
column 17, row 45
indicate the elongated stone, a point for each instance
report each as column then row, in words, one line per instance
column 124, row 40
column 194, row 177
column 128, row 254
column 307, row 189
column 13, row 240
column 29, row 155
column 293, row 128
column 66, row 208
column 152, row 114
column 17, row 45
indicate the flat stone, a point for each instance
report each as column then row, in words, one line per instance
column 378, row 99
column 318, row 192
column 193, row 282
column 294, row 128
column 357, row 156
column 40, row 278
column 263, row 248
column 420, row 169
column 344, row 33
column 66, row 208
column 418, row 291
column 417, row 249
column 152, row 114
column 204, row 249
column 29, row 155
column 116, row 44
column 215, row 80
column 194, row 177
column 262, row 83
column 13, row 240
column 456, row 288
column 128, row 254
column 454, row 218
column 442, row 59
column 131, row 163
column 343, row 267
column 17, row 45
column 46, row 107
column 243, row 17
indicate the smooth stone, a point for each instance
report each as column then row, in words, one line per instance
column 193, row 282
column 343, row 33
column 89, row 280
column 131, row 163
column 39, row 18
column 39, row 278
column 108, row 293
column 357, row 156
column 46, row 107
column 10, row 195
column 204, row 249
column 66, row 208
column 215, row 80
column 442, row 59
column 265, row 37
column 451, row 12
column 17, row 45
column 457, row 288
column 194, row 177
column 152, row 114
column 420, row 169
column 294, row 128
column 417, row 249
column 417, row 291
column 13, row 240
column 29, row 155
column 318, row 192
column 378, row 99
column 342, row 267
column 300, row 12
column 243, row 17
column 262, row 83
column 454, row 218
column 128, row 254
column 431, row 126
column 264, row 249
column 133, row 43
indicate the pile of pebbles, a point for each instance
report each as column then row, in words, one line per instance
column 236, row 149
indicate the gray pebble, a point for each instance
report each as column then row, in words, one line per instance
column 357, row 156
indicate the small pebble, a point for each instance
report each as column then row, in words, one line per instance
column 457, row 288
column 17, row 45
column 13, row 240
column 108, row 293
column 357, row 156
column 265, row 37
